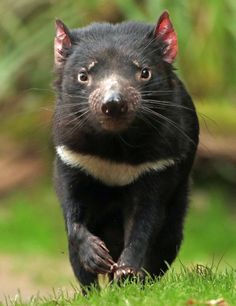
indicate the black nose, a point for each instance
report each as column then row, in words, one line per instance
column 114, row 105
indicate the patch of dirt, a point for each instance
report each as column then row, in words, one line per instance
column 217, row 146
column 33, row 275
column 18, row 166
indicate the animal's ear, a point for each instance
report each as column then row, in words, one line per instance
column 62, row 42
column 164, row 30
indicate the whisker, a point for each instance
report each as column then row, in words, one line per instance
column 125, row 142
column 156, row 103
column 171, row 122
column 67, row 116
column 148, row 122
column 39, row 90
column 80, row 123
column 71, row 105
column 146, row 92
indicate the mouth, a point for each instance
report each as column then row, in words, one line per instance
column 113, row 124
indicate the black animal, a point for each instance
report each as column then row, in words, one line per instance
column 125, row 133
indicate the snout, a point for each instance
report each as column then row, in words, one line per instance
column 114, row 108
column 114, row 105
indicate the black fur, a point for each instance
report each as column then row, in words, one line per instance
column 141, row 223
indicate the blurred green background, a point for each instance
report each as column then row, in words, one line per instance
column 33, row 251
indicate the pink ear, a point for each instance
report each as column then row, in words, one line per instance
column 165, row 31
column 61, row 42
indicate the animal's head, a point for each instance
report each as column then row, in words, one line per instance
column 108, row 74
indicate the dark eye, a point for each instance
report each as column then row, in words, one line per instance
column 83, row 76
column 145, row 74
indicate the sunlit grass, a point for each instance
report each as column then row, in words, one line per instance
column 203, row 286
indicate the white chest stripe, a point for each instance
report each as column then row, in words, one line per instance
column 110, row 173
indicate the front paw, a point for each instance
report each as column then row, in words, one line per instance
column 94, row 255
column 122, row 273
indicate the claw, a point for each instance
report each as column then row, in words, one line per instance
column 113, row 268
column 96, row 258
column 103, row 246
column 122, row 272
column 111, row 261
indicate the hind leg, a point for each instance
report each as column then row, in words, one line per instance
column 164, row 248
column 162, row 253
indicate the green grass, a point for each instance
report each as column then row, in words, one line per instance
column 31, row 221
column 210, row 227
column 188, row 287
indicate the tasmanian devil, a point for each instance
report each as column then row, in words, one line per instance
column 125, row 133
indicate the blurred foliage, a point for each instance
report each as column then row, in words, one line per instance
column 206, row 31
column 206, row 61
column 217, row 116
